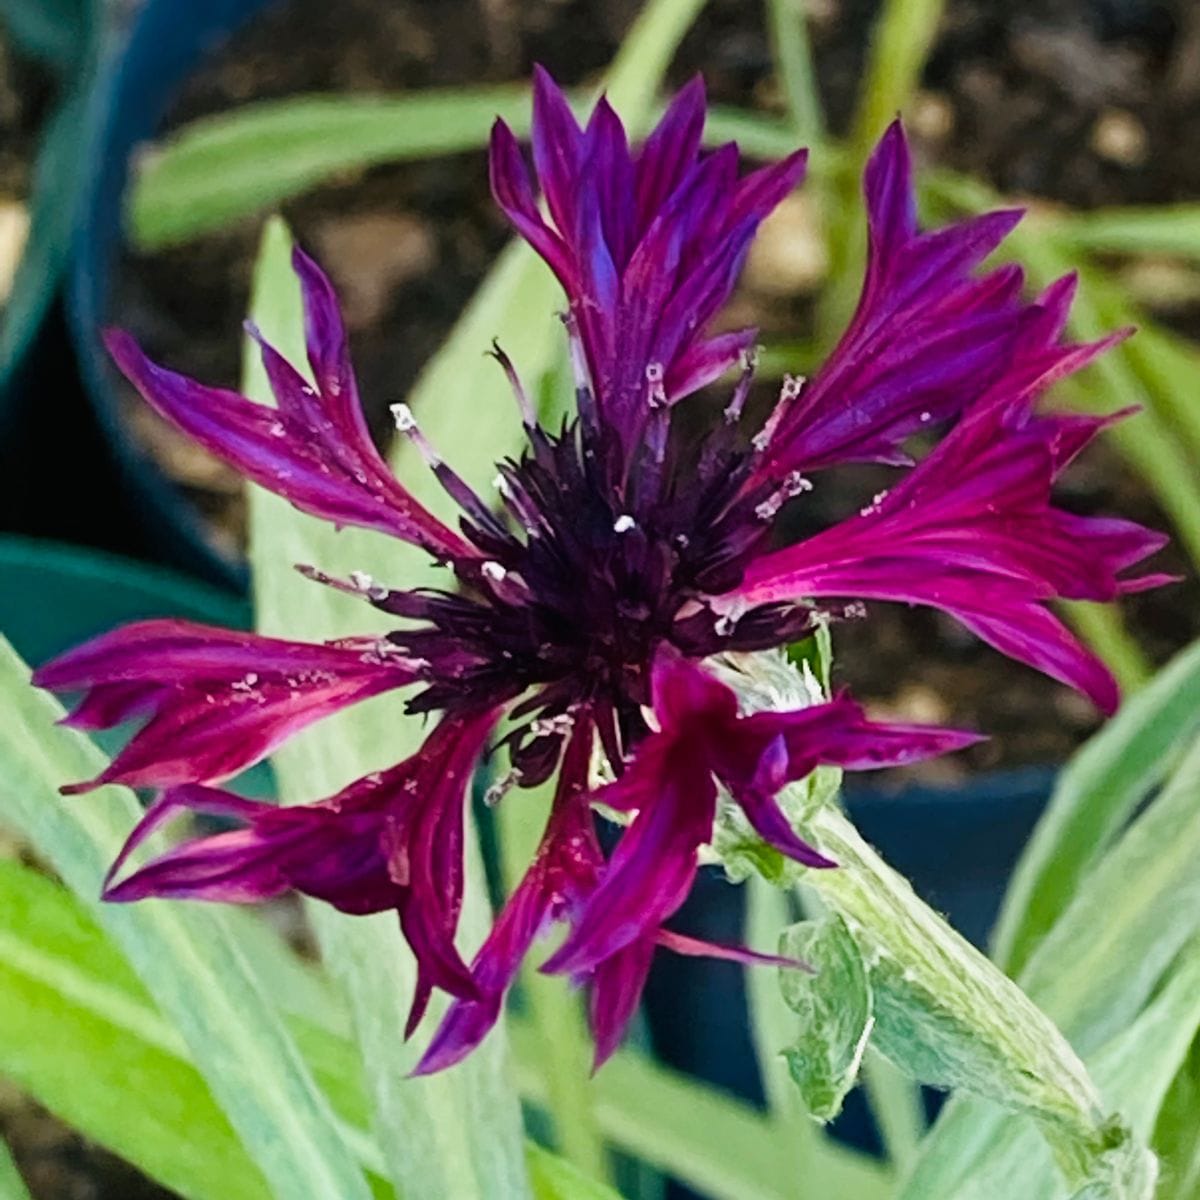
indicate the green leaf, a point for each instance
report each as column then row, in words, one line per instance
column 1095, row 977
column 80, row 1034
column 1171, row 229
column 221, row 169
column 1097, row 793
column 554, row 1178
column 787, row 24
column 457, row 1134
column 469, row 1143
column 52, row 30
column 184, row 954
column 1175, row 1139
column 705, row 1138
column 12, row 1186
column 978, row 1152
column 834, row 1005
column 55, row 186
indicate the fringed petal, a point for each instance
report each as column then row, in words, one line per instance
column 219, row 700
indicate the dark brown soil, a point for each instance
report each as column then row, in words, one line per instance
column 58, row 1164
column 1084, row 102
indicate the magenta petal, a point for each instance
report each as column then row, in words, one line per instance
column 512, row 192
column 218, row 699
column 926, row 341
column 313, row 449
column 972, row 531
column 616, row 988
column 392, row 840
column 670, row 150
column 651, row 871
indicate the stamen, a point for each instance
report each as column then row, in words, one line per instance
column 502, row 787
column 585, row 394
column 559, row 723
column 656, row 394
column 794, row 485
column 793, row 385
column 406, row 424
column 359, row 583
column 528, row 416
column 452, row 483
column 737, row 403
column 876, row 504
column 624, row 523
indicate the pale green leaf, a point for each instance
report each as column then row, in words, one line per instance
column 457, row 1134
column 184, row 954
column 709, row 1140
column 1166, row 229
column 223, row 168
column 1094, row 977
column 1096, row 794
column 80, row 1034
column 834, row 1006
column 12, row 1186
column 554, row 1178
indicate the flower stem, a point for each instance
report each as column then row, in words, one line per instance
column 961, row 1014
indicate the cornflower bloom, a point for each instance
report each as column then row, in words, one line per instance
column 628, row 550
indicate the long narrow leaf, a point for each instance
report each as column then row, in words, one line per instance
column 184, row 954
column 1098, row 792
column 224, row 168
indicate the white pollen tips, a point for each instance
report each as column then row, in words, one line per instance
column 624, row 523
column 493, row 571
column 403, row 416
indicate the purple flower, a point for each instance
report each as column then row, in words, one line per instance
column 630, row 547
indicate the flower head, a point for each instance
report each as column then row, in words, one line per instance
column 628, row 549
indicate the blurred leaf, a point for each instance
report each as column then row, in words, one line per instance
column 834, row 1004
column 457, row 1134
column 220, row 169
column 12, row 1186
column 1094, row 976
column 787, row 24
column 184, row 954
column 1098, row 791
column 1172, row 229
column 80, row 1034
column 707, row 1139
column 554, row 1178
column 470, row 1141
column 1175, row 1138
column 54, row 31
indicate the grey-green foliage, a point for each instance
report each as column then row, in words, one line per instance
column 942, row 1012
column 834, row 1003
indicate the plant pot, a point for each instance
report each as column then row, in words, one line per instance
column 145, row 53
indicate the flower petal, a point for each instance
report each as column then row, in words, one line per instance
column 314, row 449
column 972, row 531
column 926, row 340
column 219, row 699
column 392, row 840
